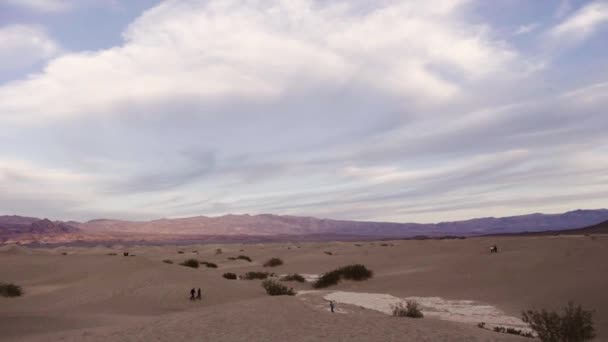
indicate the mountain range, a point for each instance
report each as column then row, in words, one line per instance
column 267, row 227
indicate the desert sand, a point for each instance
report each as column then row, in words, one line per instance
column 89, row 295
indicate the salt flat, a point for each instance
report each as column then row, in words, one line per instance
column 89, row 295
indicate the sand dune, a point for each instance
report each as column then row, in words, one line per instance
column 88, row 295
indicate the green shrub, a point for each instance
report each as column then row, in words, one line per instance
column 256, row 275
column 229, row 275
column 274, row 288
column 10, row 290
column 208, row 264
column 190, row 263
column 167, row 261
column 573, row 325
column 273, row 262
column 294, row 277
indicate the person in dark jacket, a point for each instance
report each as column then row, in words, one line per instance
column 198, row 294
column 192, row 292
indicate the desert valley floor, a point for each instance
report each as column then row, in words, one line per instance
column 88, row 294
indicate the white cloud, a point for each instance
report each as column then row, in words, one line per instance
column 24, row 45
column 216, row 49
column 524, row 29
column 42, row 5
column 583, row 22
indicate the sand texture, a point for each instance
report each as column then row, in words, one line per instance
column 90, row 295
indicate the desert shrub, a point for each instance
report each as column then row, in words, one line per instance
column 229, row 275
column 328, row 253
column 358, row 245
column 399, row 310
column 351, row 272
column 574, row 324
column 10, row 290
column 411, row 309
column 231, row 258
column 208, row 264
column 190, row 263
column 327, row 279
column 481, row 325
column 64, row 253
column 273, row 262
column 500, row 329
column 274, row 288
column 218, row 251
column 294, row 277
column 244, row 257
column 356, row 272
column 167, row 261
column 384, row 244
column 256, row 275
column 112, row 253
column 180, row 252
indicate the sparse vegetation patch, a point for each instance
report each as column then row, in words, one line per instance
column 244, row 257
column 411, row 310
column 356, row 272
column 256, row 275
column 208, row 264
column 229, row 275
column 190, row 263
column 10, row 290
column 167, row 261
column 274, row 288
column 273, row 262
column 294, row 277
column 574, row 324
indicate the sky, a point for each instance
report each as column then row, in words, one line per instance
column 383, row 110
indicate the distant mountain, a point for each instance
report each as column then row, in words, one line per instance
column 20, row 228
column 267, row 224
column 278, row 227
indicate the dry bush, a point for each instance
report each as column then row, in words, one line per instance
column 10, row 290
column 273, row 262
column 574, row 324
column 190, row 263
column 294, row 277
column 274, row 288
column 229, row 275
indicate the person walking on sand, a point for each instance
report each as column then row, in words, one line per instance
column 332, row 305
column 192, row 291
column 198, row 294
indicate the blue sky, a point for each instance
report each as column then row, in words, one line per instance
column 370, row 110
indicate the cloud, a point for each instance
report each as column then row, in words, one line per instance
column 24, row 45
column 583, row 22
column 42, row 5
column 385, row 110
column 525, row 29
column 214, row 50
